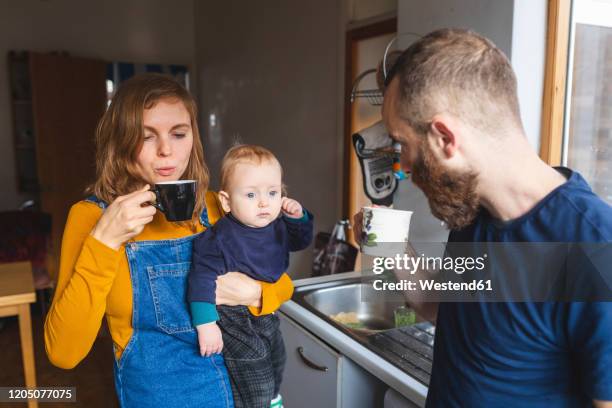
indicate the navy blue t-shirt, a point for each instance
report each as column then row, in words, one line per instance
column 229, row 245
column 548, row 354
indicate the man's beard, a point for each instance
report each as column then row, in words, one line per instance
column 452, row 197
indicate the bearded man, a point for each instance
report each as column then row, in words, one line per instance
column 451, row 101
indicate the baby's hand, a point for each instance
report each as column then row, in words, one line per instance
column 291, row 208
column 209, row 338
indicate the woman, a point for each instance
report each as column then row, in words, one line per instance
column 123, row 260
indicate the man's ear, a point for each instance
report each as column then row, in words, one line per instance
column 225, row 201
column 445, row 140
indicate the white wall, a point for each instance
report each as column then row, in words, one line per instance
column 529, row 62
column 154, row 31
column 517, row 27
column 491, row 18
column 270, row 76
column 364, row 9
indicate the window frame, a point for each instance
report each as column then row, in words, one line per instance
column 555, row 81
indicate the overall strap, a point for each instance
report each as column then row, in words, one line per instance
column 100, row 203
column 213, row 210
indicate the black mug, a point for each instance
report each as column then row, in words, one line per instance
column 176, row 199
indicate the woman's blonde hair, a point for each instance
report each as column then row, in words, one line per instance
column 244, row 153
column 120, row 135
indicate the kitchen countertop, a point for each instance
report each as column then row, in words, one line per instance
column 390, row 374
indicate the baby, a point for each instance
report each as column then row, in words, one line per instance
column 255, row 239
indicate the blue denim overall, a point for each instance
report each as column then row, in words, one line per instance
column 161, row 366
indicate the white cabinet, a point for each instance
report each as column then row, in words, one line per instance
column 318, row 376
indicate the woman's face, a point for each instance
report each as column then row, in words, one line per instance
column 168, row 140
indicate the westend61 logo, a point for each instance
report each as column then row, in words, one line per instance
column 412, row 264
column 443, row 270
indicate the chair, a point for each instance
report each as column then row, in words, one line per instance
column 25, row 235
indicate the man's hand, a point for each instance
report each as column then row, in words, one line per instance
column 425, row 309
column 291, row 208
column 602, row 404
column 357, row 225
column 209, row 339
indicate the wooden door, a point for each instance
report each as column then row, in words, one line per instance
column 365, row 47
column 68, row 99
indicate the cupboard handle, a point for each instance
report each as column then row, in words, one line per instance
column 310, row 363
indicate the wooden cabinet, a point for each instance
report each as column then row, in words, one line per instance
column 316, row 375
column 57, row 102
column 23, row 123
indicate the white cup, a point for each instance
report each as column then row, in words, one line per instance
column 384, row 231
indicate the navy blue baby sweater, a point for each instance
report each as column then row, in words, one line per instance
column 261, row 253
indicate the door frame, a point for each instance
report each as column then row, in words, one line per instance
column 353, row 36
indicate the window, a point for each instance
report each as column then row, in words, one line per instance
column 587, row 136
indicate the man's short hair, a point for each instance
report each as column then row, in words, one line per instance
column 460, row 72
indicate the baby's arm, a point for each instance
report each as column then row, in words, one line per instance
column 209, row 339
column 207, row 264
column 299, row 223
column 292, row 208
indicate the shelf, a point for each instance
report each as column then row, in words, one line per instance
column 21, row 103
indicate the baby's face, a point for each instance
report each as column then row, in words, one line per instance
column 255, row 193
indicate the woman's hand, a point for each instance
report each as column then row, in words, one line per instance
column 125, row 218
column 235, row 288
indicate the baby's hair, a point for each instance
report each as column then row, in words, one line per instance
column 245, row 153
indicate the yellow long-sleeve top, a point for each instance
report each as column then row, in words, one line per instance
column 94, row 280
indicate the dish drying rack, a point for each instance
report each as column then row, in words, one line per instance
column 373, row 96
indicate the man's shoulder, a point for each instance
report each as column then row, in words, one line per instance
column 585, row 212
column 571, row 213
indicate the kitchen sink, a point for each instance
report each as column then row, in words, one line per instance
column 372, row 321
column 373, row 309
